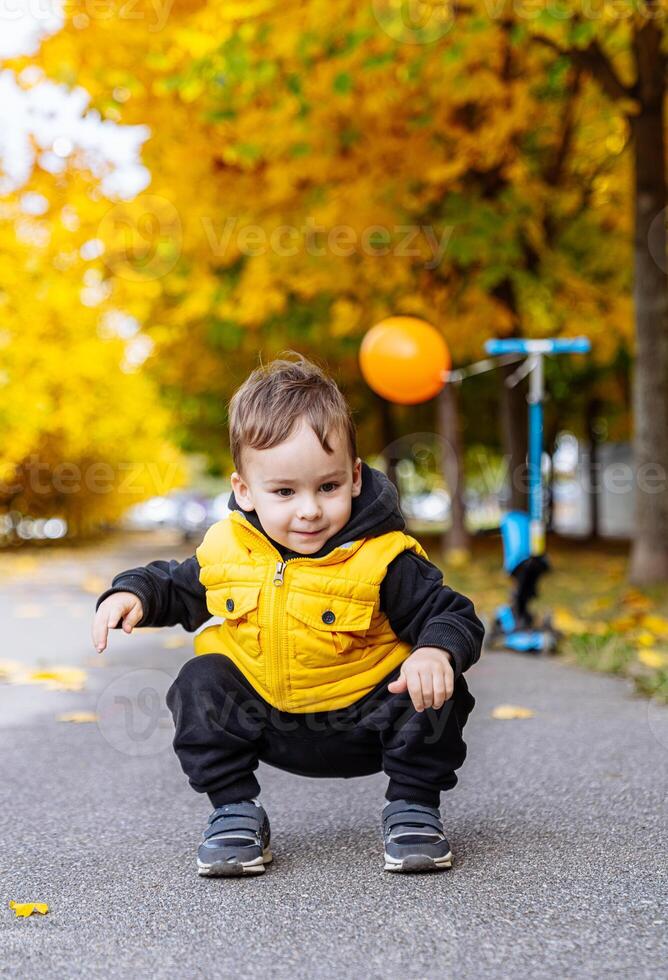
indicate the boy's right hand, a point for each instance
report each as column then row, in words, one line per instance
column 120, row 606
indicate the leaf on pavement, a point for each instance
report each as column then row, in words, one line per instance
column 29, row 610
column 507, row 711
column 174, row 642
column 94, row 584
column 55, row 678
column 77, row 716
column 27, row 908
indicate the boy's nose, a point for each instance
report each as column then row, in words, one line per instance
column 308, row 510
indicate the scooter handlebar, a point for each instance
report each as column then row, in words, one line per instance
column 555, row 345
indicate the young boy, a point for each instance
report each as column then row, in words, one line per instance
column 341, row 653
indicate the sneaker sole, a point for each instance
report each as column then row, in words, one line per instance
column 418, row 862
column 235, row 869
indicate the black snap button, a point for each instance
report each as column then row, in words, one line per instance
column 328, row 617
column 229, row 604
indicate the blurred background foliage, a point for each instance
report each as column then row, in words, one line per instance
column 313, row 167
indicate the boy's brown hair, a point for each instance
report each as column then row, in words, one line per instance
column 271, row 401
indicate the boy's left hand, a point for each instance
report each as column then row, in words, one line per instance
column 428, row 677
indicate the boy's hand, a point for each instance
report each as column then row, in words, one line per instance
column 428, row 677
column 120, row 605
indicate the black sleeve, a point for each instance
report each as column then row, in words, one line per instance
column 170, row 593
column 424, row 612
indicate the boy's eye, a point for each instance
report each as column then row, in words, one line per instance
column 286, row 491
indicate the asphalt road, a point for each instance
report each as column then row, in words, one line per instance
column 558, row 825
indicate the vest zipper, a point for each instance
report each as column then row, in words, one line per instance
column 281, row 660
column 278, row 663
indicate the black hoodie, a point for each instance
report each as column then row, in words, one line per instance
column 422, row 610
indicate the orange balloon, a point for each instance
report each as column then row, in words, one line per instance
column 404, row 359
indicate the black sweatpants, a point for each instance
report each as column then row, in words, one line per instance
column 224, row 727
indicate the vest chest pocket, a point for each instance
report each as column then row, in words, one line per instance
column 237, row 603
column 337, row 627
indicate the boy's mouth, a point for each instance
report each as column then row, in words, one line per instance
column 310, row 534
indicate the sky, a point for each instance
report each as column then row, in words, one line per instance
column 59, row 121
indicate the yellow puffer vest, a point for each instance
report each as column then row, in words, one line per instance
column 307, row 633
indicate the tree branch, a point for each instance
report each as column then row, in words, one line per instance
column 593, row 60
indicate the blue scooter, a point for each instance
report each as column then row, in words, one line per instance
column 523, row 535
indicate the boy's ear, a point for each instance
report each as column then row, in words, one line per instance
column 241, row 492
column 357, row 477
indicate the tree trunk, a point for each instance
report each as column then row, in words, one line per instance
column 514, row 432
column 513, row 407
column 649, row 553
column 389, row 436
column 457, row 538
column 594, row 481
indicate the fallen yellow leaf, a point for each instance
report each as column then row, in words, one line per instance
column 27, row 908
column 507, row 711
column 636, row 600
column 77, row 716
column 597, row 605
column 25, row 564
column 598, row 627
column 94, row 584
column 653, row 658
column 174, row 642
column 622, row 624
column 566, row 622
column 28, row 610
column 55, row 678
column 656, row 624
column 458, row 558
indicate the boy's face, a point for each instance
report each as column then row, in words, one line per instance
column 302, row 494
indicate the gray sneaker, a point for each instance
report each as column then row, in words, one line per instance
column 235, row 842
column 414, row 838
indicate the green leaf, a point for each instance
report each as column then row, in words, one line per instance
column 343, row 83
column 249, row 152
column 582, row 34
column 378, row 60
column 300, row 149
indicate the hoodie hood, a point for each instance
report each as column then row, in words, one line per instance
column 375, row 511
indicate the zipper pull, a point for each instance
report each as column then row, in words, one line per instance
column 280, row 570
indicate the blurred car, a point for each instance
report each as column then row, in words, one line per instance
column 432, row 506
column 150, row 514
column 192, row 514
column 217, row 507
column 186, row 511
